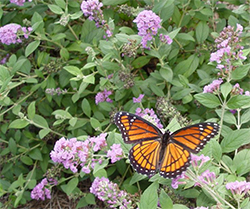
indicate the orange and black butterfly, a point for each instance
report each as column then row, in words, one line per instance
column 168, row 153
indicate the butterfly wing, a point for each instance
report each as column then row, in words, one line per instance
column 175, row 160
column 195, row 137
column 135, row 128
column 144, row 156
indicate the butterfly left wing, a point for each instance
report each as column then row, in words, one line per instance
column 135, row 128
column 194, row 138
column 144, row 157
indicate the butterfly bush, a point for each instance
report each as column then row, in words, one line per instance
column 139, row 99
column 109, row 192
column 92, row 10
column 238, row 188
column 115, row 153
column 73, row 153
column 229, row 51
column 19, row 2
column 103, row 96
column 11, row 33
column 148, row 24
column 41, row 191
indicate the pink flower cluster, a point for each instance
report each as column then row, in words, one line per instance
column 240, row 188
column 40, row 191
column 109, row 192
column 213, row 87
column 103, row 96
column 149, row 115
column 228, row 49
column 11, row 33
column 73, row 153
column 148, row 24
column 19, row 2
column 92, row 10
column 138, row 100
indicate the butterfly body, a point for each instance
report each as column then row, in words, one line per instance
column 155, row 151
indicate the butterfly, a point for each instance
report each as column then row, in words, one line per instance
column 166, row 153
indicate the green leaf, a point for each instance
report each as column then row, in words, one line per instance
column 245, row 117
column 165, row 200
column 216, row 150
column 241, row 162
column 86, row 108
column 188, row 66
column 166, row 73
column 240, row 72
column 141, row 61
column 181, row 94
column 12, row 146
column 70, row 186
column 226, row 89
column 43, row 133
column 149, row 198
column 136, row 178
column 89, row 79
column 36, row 154
column 73, row 121
column 26, row 160
column 95, row 124
column 239, row 101
column 100, row 166
column 39, row 121
column 19, row 124
column 201, row 32
column 89, row 65
column 73, row 70
column 56, row 9
column 208, row 100
column 234, row 139
column 32, row 110
column 31, row 48
column 64, row 53
column 112, row 2
column 156, row 90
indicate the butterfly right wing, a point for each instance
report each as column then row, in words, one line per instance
column 135, row 128
column 144, row 157
column 175, row 160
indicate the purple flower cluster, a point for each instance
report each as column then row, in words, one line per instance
column 11, row 33
column 72, row 153
column 103, row 96
column 208, row 178
column 149, row 115
column 138, row 100
column 238, row 188
column 19, row 2
column 92, row 10
column 115, row 153
column 175, row 182
column 148, row 24
column 109, row 192
column 198, row 161
column 41, row 191
column 165, row 39
column 213, row 87
column 237, row 90
column 53, row 91
column 4, row 60
column 229, row 50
